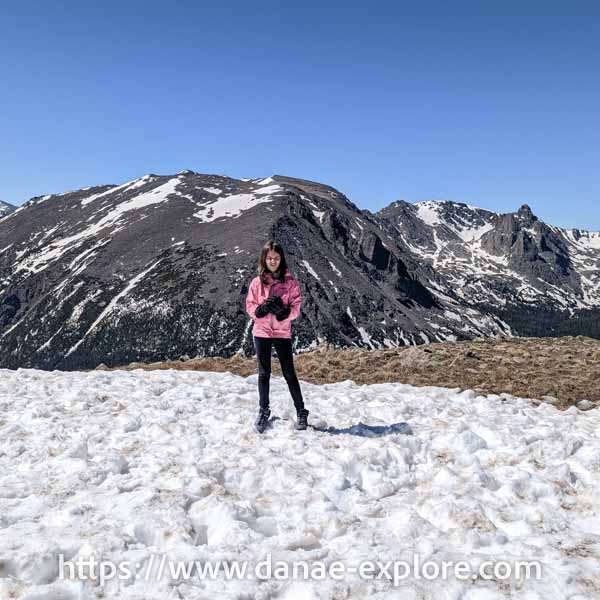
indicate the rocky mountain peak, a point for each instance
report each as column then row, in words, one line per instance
column 526, row 214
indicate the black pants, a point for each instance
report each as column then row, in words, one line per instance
column 283, row 347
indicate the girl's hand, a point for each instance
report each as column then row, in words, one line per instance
column 262, row 310
column 275, row 303
column 283, row 312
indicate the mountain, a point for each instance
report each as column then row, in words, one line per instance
column 158, row 267
column 538, row 278
column 6, row 208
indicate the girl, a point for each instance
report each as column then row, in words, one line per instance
column 273, row 302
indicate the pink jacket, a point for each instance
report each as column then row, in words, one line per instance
column 268, row 326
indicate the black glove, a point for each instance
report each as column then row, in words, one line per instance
column 270, row 305
column 262, row 310
column 274, row 303
column 283, row 312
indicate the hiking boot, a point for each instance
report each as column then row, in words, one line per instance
column 262, row 420
column 301, row 424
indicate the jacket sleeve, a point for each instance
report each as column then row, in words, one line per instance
column 295, row 300
column 252, row 298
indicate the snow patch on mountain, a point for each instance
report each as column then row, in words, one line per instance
column 130, row 185
column 310, row 269
column 335, row 269
column 270, row 190
column 366, row 338
column 466, row 221
column 155, row 196
column 582, row 241
column 428, row 213
column 213, row 190
column 234, row 205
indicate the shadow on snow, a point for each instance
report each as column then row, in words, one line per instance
column 364, row 430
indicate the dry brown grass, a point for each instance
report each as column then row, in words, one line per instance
column 566, row 369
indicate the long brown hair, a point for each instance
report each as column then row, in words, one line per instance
column 263, row 270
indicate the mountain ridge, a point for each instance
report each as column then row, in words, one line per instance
column 6, row 208
column 158, row 267
column 308, row 181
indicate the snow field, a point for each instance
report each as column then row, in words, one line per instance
column 123, row 465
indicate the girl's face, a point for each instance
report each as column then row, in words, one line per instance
column 273, row 259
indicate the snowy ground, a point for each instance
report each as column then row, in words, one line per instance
column 129, row 466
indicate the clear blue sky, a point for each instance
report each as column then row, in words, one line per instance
column 491, row 103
